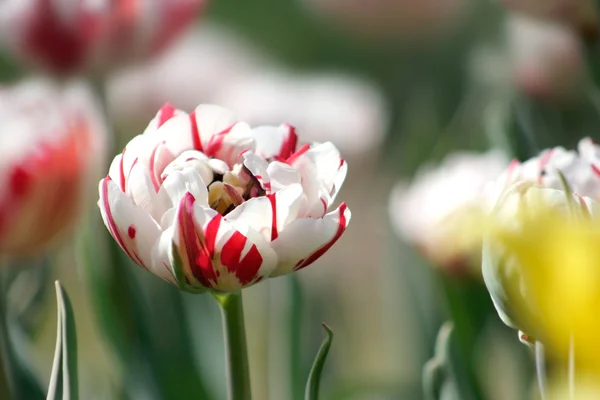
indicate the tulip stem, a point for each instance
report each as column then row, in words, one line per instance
column 5, row 392
column 236, row 352
column 540, row 368
column 572, row 369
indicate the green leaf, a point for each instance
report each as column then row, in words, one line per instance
column 314, row 377
column 437, row 371
column 63, row 381
column 17, row 378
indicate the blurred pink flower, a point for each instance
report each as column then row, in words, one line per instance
column 69, row 36
column 208, row 203
column 547, row 58
column 213, row 65
column 51, row 142
column 580, row 14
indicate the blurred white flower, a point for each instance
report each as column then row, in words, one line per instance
column 193, row 71
column 391, row 17
column 213, row 65
column 547, row 59
column 328, row 107
column 440, row 202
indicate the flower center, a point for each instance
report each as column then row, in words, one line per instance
column 231, row 189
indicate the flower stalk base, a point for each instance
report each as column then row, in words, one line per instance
column 236, row 352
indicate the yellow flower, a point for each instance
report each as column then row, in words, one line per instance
column 554, row 287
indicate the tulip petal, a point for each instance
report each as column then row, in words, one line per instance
column 123, row 163
column 141, row 190
column 305, row 240
column 269, row 214
column 275, row 142
column 209, row 121
column 133, row 229
column 188, row 180
column 214, row 254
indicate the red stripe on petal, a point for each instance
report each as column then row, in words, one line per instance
column 246, row 269
column 166, row 113
column 112, row 226
column 197, row 143
column 543, row 162
column 121, row 171
column 314, row 256
column 152, row 168
column 291, row 159
column 19, row 182
column 596, row 170
column 273, row 200
column 288, row 147
column 216, row 142
column 199, row 244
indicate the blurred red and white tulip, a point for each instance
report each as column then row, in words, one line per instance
column 71, row 36
column 51, row 143
column 214, row 65
column 209, row 203
column 580, row 14
column 580, row 168
column 547, row 58
column 391, row 18
column 439, row 205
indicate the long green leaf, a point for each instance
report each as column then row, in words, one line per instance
column 314, row 377
column 18, row 379
column 63, row 381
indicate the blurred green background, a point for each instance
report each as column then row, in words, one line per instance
column 440, row 81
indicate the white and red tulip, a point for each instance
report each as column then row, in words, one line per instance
column 580, row 169
column 51, row 142
column 68, row 36
column 208, row 203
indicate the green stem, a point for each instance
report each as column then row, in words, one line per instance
column 5, row 392
column 236, row 352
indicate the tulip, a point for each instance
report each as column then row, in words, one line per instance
column 558, row 180
column 546, row 58
column 505, row 268
column 580, row 169
column 209, row 203
column 72, row 36
column 580, row 14
column 433, row 211
column 51, row 142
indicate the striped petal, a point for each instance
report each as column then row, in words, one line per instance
column 305, row 240
column 132, row 228
column 214, row 254
column 275, row 142
column 323, row 172
column 268, row 214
